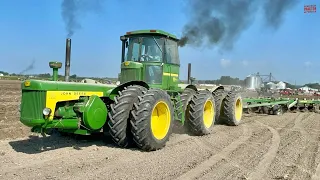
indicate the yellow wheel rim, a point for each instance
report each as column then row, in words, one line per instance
column 208, row 113
column 160, row 120
column 238, row 109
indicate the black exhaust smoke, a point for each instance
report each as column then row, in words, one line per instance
column 67, row 63
column 221, row 22
column 73, row 10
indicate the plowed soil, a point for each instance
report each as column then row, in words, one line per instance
column 262, row 147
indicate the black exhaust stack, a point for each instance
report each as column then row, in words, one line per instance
column 189, row 73
column 67, row 63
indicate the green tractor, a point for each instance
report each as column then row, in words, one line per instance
column 142, row 109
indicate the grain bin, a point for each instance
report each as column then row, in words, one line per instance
column 281, row 85
column 271, row 85
column 253, row 82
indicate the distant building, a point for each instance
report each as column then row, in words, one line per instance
column 1, row 74
column 281, row 85
column 307, row 89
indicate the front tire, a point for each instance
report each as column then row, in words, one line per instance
column 120, row 114
column 152, row 120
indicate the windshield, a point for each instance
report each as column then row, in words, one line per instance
column 148, row 48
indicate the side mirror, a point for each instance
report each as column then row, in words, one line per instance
column 123, row 38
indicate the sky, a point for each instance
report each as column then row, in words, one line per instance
column 35, row 30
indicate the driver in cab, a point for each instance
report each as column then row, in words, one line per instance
column 153, row 54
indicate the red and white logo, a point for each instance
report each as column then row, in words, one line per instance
column 310, row 8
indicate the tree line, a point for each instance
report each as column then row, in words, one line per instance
column 224, row 80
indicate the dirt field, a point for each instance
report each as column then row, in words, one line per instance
column 10, row 126
column 262, row 147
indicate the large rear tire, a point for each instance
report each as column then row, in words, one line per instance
column 152, row 120
column 201, row 114
column 232, row 109
column 120, row 114
column 185, row 98
column 218, row 96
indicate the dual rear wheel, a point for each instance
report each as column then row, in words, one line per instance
column 203, row 109
column 142, row 117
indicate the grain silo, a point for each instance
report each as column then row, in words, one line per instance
column 271, row 85
column 281, row 85
column 253, row 82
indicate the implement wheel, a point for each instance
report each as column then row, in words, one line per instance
column 232, row 109
column 265, row 110
column 218, row 96
column 152, row 120
column 185, row 98
column 201, row 114
column 248, row 111
column 119, row 115
column 317, row 108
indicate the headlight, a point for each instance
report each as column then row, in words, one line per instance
column 46, row 111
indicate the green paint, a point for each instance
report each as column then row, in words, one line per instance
column 267, row 104
column 151, row 57
column 95, row 113
column 55, row 66
column 32, row 104
column 55, row 74
column 178, row 109
column 130, row 71
column 66, row 112
column 113, row 92
column 63, row 124
column 40, row 85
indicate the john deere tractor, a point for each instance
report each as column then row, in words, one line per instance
column 141, row 110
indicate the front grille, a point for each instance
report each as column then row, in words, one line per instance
column 32, row 104
column 129, row 74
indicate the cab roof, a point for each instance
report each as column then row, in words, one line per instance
column 152, row 32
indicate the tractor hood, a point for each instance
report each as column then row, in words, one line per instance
column 40, row 85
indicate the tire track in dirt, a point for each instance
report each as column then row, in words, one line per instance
column 269, row 156
column 293, row 140
column 198, row 150
column 198, row 170
column 316, row 174
column 249, row 155
column 305, row 162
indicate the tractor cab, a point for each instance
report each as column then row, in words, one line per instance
column 150, row 56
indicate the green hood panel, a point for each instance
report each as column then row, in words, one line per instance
column 40, row 85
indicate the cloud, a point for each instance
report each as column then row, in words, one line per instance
column 307, row 64
column 225, row 63
column 244, row 63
